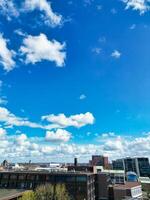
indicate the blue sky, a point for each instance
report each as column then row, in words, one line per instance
column 74, row 79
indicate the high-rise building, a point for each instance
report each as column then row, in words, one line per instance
column 139, row 165
column 143, row 167
column 118, row 164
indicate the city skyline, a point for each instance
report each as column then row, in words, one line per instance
column 74, row 79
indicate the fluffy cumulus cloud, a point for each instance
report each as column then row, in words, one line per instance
column 2, row 132
column 50, row 17
column 61, row 121
column 59, row 136
column 6, row 55
column 8, row 8
column 10, row 120
column 140, row 5
column 38, row 48
column 21, row 147
column 116, row 54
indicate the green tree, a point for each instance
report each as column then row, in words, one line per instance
column 45, row 192
column 61, row 192
column 29, row 195
column 51, row 192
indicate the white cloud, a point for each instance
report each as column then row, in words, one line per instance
column 96, row 50
column 116, row 54
column 133, row 26
column 1, row 84
column 44, row 6
column 3, row 101
column 20, row 147
column 38, row 48
column 99, row 7
column 61, row 121
column 140, row 5
column 10, row 119
column 113, row 11
column 8, row 8
column 2, row 132
column 20, row 32
column 102, row 39
column 6, row 55
column 59, row 136
column 111, row 134
column 82, row 97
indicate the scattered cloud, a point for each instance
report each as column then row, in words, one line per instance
column 133, row 26
column 3, row 100
column 50, row 17
column 102, row 39
column 6, row 55
column 20, row 32
column 140, row 5
column 59, row 135
column 38, row 48
column 61, row 121
column 111, row 134
column 116, row 54
column 10, row 119
column 82, row 97
column 99, row 7
column 21, row 147
column 2, row 133
column 8, row 9
column 96, row 50
column 113, row 11
column 87, row 2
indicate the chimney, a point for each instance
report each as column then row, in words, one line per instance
column 75, row 162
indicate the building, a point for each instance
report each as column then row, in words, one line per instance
column 80, row 186
column 106, row 178
column 138, row 165
column 145, row 182
column 98, row 160
column 143, row 167
column 118, row 164
column 129, row 190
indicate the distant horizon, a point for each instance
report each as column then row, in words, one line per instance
column 74, row 79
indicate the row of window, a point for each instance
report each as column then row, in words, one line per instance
column 43, row 178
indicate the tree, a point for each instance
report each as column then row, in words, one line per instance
column 29, row 195
column 45, row 192
column 61, row 192
column 51, row 192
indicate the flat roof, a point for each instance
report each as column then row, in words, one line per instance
column 6, row 194
column 144, row 180
column 127, row 185
column 49, row 173
column 113, row 171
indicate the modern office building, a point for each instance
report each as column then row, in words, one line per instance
column 138, row 165
column 118, row 164
column 81, row 186
column 143, row 167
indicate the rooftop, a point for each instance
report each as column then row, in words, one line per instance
column 144, row 180
column 6, row 194
column 47, row 172
column 127, row 185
